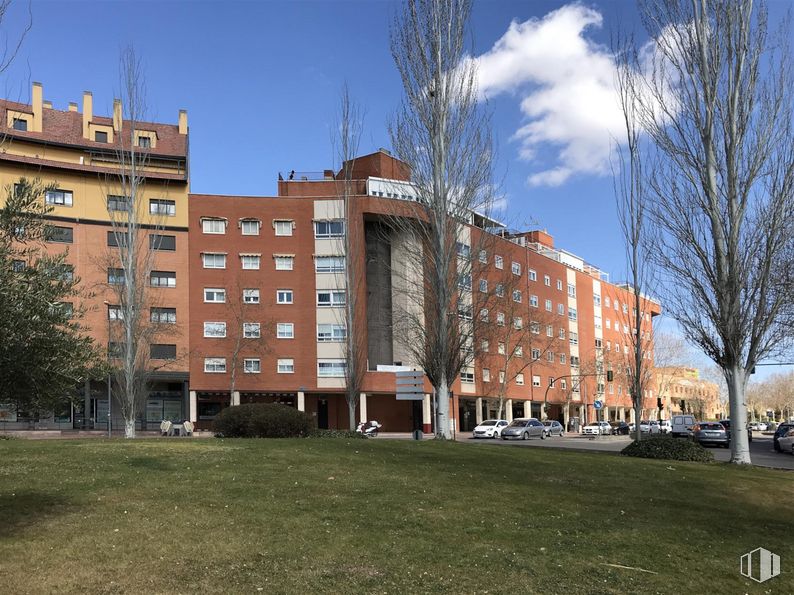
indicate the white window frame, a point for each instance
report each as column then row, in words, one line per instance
column 251, row 296
column 209, row 229
column 250, row 262
column 248, row 364
column 329, row 233
column 498, row 262
column 284, row 263
column 329, row 264
column 215, row 365
column 219, row 334
column 255, row 222
column 285, row 366
column 216, row 290
column 50, row 198
column 533, row 275
column 285, row 330
column 515, row 267
column 252, row 330
column 287, row 293
column 330, row 368
column 336, row 298
column 283, row 227
column 208, row 264
column 331, row 333
column 520, row 379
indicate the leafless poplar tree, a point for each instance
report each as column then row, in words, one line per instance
column 345, row 141
column 717, row 107
column 443, row 135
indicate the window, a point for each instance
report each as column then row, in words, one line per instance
column 616, row 303
column 559, row 285
column 329, row 264
column 563, row 384
column 249, row 227
column 118, row 203
column 486, row 375
column 500, row 349
column 285, row 366
column 67, row 308
column 464, row 282
column 213, row 226
column 536, row 381
column 163, row 315
column 483, row 256
column 20, row 124
column 551, row 381
column 546, row 280
column 214, row 330
column 252, row 365
column 572, row 313
column 517, row 296
column 549, row 330
column 516, row 268
column 144, row 142
column 484, row 285
column 285, row 330
column 573, row 338
column 331, row 368
column 575, row 360
column 162, row 351
column 335, row 228
column 484, row 314
column 534, row 327
column 597, row 322
column 625, row 308
column 467, row 377
column 518, row 351
column 331, row 333
column 500, row 318
column 609, row 323
column 598, row 343
column 161, row 206
column 500, row 290
column 100, row 136
column 213, row 260
column 215, row 365
column 464, row 311
column 533, row 301
column 162, row 242
column 561, row 309
column 162, row 279
column 250, row 296
column 562, row 333
column 284, row 263
column 485, row 346
column 59, row 235
column 329, row 299
column 116, row 276
column 117, row 240
column 606, row 302
column 520, row 379
column 250, row 262
column 535, row 354
column 571, row 290
column 498, row 262
column 214, row 295
column 58, row 197
column 518, row 323
column 596, row 300
column 463, row 250
column 251, row 330
column 562, row 359
column 502, row 376
column 18, row 266
column 283, row 296
column 533, row 275
column 283, row 227
column 115, row 313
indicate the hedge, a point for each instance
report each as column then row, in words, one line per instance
column 667, row 447
column 261, row 420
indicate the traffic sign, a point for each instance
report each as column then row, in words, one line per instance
column 410, row 385
column 598, row 404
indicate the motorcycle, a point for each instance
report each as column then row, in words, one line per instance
column 369, row 428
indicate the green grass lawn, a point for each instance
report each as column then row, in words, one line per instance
column 336, row 516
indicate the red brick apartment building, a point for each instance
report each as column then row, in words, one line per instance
column 272, row 267
column 254, row 286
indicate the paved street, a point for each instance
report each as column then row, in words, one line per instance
column 761, row 448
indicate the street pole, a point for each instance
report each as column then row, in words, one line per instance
column 110, row 398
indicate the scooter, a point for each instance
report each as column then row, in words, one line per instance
column 369, row 428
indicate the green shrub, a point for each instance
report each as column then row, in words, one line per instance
column 667, row 447
column 261, row 420
column 317, row 433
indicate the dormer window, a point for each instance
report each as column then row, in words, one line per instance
column 20, row 124
column 101, row 136
column 250, row 227
column 213, row 225
column 144, row 142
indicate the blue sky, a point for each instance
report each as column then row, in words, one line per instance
column 260, row 81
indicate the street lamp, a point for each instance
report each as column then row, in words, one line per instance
column 110, row 398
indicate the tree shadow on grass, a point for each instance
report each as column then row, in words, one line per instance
column 23, row 510
column 153, row 464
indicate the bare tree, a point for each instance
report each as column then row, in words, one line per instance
column 443, row 135
column 717, row 107
column 345, row 141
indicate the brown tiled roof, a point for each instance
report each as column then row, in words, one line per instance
column 65, row 127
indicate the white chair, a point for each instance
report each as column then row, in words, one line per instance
column 165, row 427
column 188, row 426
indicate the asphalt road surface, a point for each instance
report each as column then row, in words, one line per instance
column 761, row 450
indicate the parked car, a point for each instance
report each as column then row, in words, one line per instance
column 683, row 424
column 490, row 428
column 619, row 428
column 710, row 432
column 727, row 424
column 598, row 428
column 650, row 427
column 786, row 442
column 524, row 428
column 553, row 428
column 762, row 426
column 782, row 430
column 666, row 426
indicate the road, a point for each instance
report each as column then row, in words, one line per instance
column 761, row 450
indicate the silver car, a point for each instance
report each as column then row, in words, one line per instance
column 711, row 433
column 553, row 428
column 525, row 429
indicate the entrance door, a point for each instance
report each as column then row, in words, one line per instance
column 322, row 414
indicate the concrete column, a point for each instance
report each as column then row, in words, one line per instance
column 527, row 408
column 622, row 414
column 301, row 401
column 235, row 398
column 362, row 407
column 631, row 416
column 193, row 405
column 427, row 414
column 543, row 414
column 509, row 409
column 478, row 410
column 87, row 404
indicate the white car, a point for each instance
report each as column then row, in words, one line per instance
column 598, row 428
column 786, row 442
column 762, row 426
column 489, row 428
column 666, row 426
column 683, row 424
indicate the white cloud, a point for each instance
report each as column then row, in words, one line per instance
column 566, row 87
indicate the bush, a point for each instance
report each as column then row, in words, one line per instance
column 317, row 433
column 261, row 420
column 667, row 447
